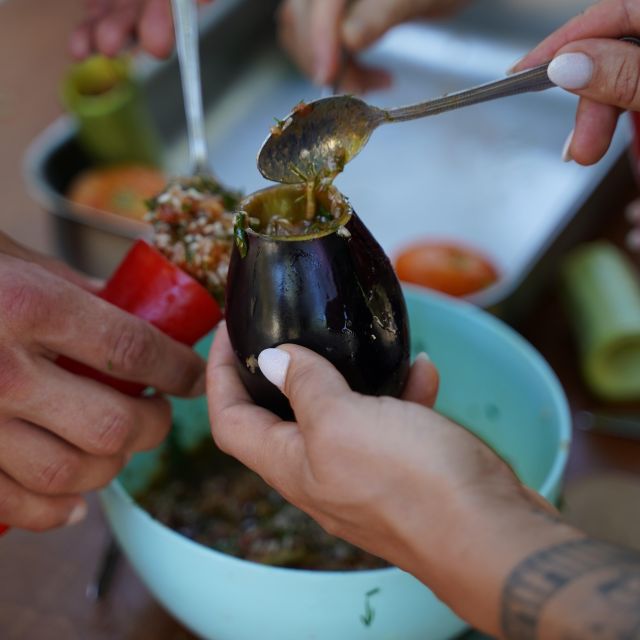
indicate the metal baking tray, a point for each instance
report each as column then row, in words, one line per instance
column 489, row 176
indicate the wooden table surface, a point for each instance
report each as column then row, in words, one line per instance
column 42, row 593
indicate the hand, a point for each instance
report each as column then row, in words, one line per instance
column 408, row 485
column 314, row 32
column 589, row 61
column 391, row 476
column 111, row 24
column 62, row 434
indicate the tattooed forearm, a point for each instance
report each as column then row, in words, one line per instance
column 579, row 590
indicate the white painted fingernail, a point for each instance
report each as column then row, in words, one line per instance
column 571, row 70
column 274, row 364
column 78, row 514
column 566, row 149
column 423, row 356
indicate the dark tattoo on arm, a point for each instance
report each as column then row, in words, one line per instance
column 582, row 589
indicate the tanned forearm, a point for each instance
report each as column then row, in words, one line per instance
column 518, row 572
column 581, row 589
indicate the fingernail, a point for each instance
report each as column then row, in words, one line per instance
column 512, row 69
column 423, row 356
column 78, row 514
column 274, row 364
column 566, row 149
column 571, row 70
column 96, row 283
column 321, row 76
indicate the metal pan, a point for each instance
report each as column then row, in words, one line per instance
column 489, row 176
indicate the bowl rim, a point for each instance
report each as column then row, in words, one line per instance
column 412, row 292
column 528, row 352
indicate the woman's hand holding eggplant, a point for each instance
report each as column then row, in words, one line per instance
column 389, row 475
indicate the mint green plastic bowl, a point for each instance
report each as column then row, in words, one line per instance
column 493, row 382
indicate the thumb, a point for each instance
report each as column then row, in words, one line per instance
column 307, row 379
column 423, row 382
column 368, row 20
column 603, row 70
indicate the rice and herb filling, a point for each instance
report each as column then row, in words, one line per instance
column 192, row 220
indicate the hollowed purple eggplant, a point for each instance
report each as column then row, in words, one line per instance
column 331, row 289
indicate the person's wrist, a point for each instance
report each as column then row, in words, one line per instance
column 490, row 530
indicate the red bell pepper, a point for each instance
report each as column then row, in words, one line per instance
column 151, row 287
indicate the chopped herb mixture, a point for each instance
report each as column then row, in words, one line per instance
column 192, row 221
column 214, row 500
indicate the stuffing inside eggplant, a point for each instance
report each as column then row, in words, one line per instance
column 296, row 210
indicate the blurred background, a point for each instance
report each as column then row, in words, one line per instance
column 35, row 38
column 490, row 179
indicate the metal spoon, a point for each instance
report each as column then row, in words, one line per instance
column 318, row 138
column 185, row 21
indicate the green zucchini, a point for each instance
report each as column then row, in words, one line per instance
column 602, row 294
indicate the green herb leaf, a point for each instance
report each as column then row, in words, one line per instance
column 151, row 203
column 239, row 233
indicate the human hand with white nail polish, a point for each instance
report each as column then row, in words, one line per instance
column 111, row 25
column 62, row 434
column 315, row 33
column 389, row 475
column 588, row 59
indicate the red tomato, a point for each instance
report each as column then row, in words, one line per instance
column 120, row 189
column 445, row 267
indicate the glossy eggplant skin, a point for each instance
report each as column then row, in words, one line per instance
column 336, row 294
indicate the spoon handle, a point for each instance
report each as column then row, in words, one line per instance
column 186, row 31
column 535, row 79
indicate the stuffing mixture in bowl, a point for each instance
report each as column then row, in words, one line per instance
column 212, row 499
